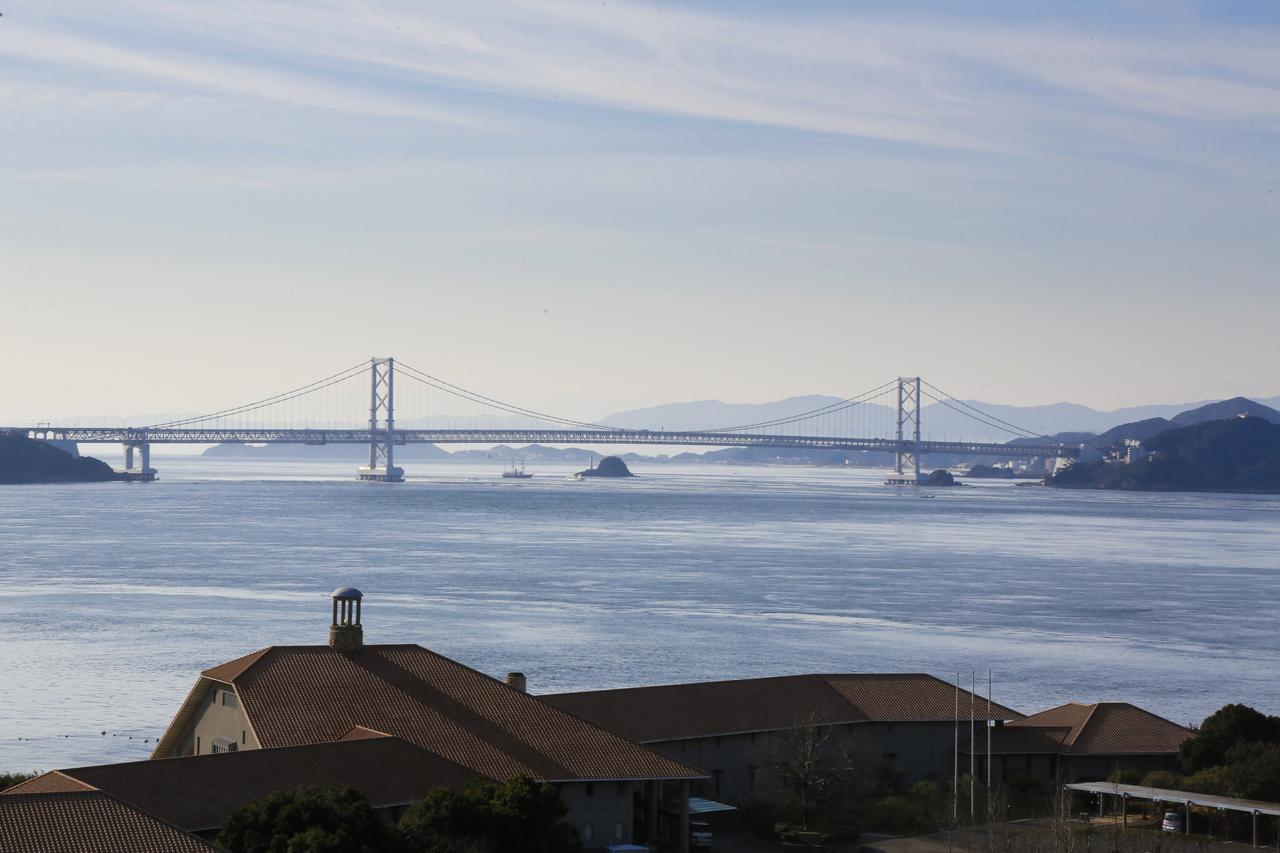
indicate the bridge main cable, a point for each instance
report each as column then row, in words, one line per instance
column 977, row 414
column 829, row 409
column 301, row 391
column 510, row 408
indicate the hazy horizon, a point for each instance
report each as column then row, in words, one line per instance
column 601, row 207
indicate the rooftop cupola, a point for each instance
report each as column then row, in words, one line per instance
column 345, row 633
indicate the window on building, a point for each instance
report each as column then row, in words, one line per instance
column 229, row 700
column 197, row 744
column 243, row 736
column 586, row 834
column 591, row 789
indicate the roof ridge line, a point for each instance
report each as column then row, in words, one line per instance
column 1149, row 713
column 840, row 697
column 1084, row 724
column 251, row 659
column 756, row 678
column 15, row 790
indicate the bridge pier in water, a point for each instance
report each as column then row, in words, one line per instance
column 382, row 386
column 143, row 472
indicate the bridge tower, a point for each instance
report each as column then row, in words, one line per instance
column 382, row 441
column 907, row 462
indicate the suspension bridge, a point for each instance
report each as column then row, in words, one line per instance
column 409, row 406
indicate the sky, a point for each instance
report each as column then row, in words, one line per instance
column 585, row 207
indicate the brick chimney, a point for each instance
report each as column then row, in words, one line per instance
column 345, row 633
column 517, row 680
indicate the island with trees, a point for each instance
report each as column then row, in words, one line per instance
column 1239, row 454
column 610, row 466
column 25, row 460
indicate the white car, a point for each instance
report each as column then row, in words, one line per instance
column 1172, row 822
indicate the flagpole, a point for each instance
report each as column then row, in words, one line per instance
column 955, row 761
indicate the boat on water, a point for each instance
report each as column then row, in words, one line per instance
column 516, row 472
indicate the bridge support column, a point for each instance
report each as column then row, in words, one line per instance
column 382, row 440
column 142, row 473
column 907, row 462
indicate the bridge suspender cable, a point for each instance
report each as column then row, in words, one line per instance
column 285, row 396
column 963, row 408
column 509, row 408
column 830, row 408
column 982, row 420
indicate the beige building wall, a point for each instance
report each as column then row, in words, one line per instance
column 218, row 720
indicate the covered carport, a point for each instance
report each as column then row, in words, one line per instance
column 1186, row 799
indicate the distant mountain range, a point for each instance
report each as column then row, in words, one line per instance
column 939, row 421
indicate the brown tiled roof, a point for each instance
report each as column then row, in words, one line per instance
column 53, row 782
column 86, row 822
column 707, row 708
column 912, row 697
column 227, row 672
column 1107, row 728
column 198, row 792
column 296, row 695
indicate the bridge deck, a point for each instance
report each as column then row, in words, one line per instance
column 91, row 435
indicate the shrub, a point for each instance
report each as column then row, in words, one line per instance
column 334, row 819
column 519, row 816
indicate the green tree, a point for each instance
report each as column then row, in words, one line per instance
column 1210, row 780
column 334, row 819
column 1162, row 779
column 519, row 816
column 1125, row 776
column 1223, row 729
column 1253, row 771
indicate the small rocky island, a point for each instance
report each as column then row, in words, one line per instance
column 24, row 460
column 610, row 466
column 941, row 477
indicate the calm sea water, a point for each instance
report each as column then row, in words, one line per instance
column 114, row 596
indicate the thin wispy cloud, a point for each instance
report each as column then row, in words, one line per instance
column 938, row 82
